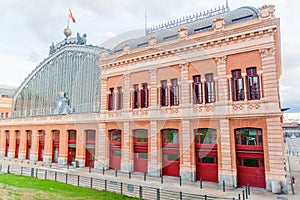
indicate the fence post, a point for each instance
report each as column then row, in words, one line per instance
column 205, row 197
column 129, row 175
column 180, row 180
column 180, row 195
column 140, row 192
column 243, row 194
column 90, row 169
column 144, row 176
column 45, row 174
column 8, row 169
column 157, row 194
column 32, row 172
column 91, row 182
column 201, row 183
column 22, row 170
column 116, row 173
column 1, row 167
column 121, row 188
column 239, row 196
column 248, row 189
column 103, row 171
column 162, row 179
column 246, row 192
column 36, row 172
column 223, row 186
column 55, row 176
column 105, row 185
column 78, row 177
column 66, row 178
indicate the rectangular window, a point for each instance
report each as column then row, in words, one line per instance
column 55, row 135
column 249, row 162
column 6, row 115
column 117, row 153
column 119, row 98
column 210, row 93
column 115, row 135
column 170, row 136
column 208, row 159
column 90, row 135
column 2, row 115
column 248, row 136
column 136, row 96
column 174, row 93
column 144, row 95
column 237, row 86
column 142, row 155
column 164, row 93
column 111, row 100
column 197, row 90
column 252, row 84
column 140, row 135
column 72, row 135
column 206, row 136
column 172, row 157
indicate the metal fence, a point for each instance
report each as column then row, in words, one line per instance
column 138, row 191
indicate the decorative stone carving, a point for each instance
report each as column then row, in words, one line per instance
column 221, row 60
column 103, row 55
column 62, row 106
column 266, row 52
column 183, row 33
column 152, row 42
column 254, row 106
column 238, row 107
column 126, row 77
column 266, row 12
column 153, row 72
column 184, row 67
column 219, row 24
column 126, row 48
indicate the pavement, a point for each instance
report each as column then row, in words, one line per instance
column 171, row 183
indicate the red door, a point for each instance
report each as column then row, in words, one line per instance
column 71, row 155
column 89, row 157
column 207, row 167
column 251, row 171
column 171, row 162
column 141, row 162
column 115, row 158
column 17, row 148
column 6, row 148
column 41, row 153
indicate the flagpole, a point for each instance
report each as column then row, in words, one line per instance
column 68, row 20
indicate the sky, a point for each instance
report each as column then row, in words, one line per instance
column 29, row 27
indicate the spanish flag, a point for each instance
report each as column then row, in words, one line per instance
column 71, row 16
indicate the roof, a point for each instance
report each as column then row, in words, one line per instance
column 231, row 17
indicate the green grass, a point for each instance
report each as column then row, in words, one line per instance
column 22, row 187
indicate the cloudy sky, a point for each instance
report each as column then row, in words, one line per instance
column 29, row 27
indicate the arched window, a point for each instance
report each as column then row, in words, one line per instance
column 248, row 136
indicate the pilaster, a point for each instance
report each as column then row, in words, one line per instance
column 63, row 147
column 126, row 99
column 80, row 147
column 2, row 143
column 153, row 88
column 48, row 146
column 127, row 150
column 23, row 143
column 103, row 94
column 187, row 166
column 102, row 148
column 34, row 146
column 222, row 80
column 226, row 170
column 184, row 73
column 12, row 144
column 154, row 151
column 275, row 176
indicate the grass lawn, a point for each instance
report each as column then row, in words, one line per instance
column 27, row 188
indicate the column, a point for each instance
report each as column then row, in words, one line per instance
column 154, row 151
column 2, row 143
column 23, row 143
column 12, row 144
column 63, row 147
column 103, row 95
column 153, row 88
column 102, row 148
column 126, row 94
column 187, row 149
column 48, row 146
column 225, row 156
column 270, row 75
column 274, row 157
column 34, row 146
column 127, row 150
column 185, row 95
column 80, row 147
column 222, row 81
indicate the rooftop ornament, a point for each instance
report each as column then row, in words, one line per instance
column 189, row 19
